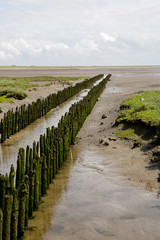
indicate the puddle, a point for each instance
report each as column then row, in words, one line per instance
column 113, row 90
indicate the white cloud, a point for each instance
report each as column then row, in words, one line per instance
column 71, row 31
column 9, row 47
column 107, row 38
column 4, row 55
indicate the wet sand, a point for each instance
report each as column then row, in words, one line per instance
column 104, row 192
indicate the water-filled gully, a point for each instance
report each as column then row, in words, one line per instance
column 88, row 200
column 9, row 149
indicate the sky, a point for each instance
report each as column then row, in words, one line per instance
column 79, row 32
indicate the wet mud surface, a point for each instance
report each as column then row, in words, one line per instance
column 90, row 200
column 101, row 192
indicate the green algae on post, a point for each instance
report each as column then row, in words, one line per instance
column 8, row 201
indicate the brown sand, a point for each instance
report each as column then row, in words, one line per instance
column 134, row 164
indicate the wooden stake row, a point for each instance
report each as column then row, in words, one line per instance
column 14, row 121
column 38, row 166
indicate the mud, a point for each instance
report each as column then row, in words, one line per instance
column 104, row 192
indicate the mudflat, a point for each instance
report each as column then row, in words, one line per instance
column 100, row 193
column 132, row 163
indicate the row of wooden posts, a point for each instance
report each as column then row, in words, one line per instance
column 21, row 192
column 14, row 121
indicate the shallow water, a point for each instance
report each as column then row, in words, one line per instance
column 9, row 149
column 113, row 90
column 90, row 201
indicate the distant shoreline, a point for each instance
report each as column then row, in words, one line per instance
column 70, row 67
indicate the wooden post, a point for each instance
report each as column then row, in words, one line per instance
column 27, row 202
column 27, row 160
column 44, row 176
column 2, row 190
column 31, row 192
column 22, row 154
column 7, row 217
column 22, row 209
column 34, row 150
column 11, row 179
column 41, row 145
column 14, row 216
column 18, row 172
column 7, row 184
column 1, row 224
column 36, row 184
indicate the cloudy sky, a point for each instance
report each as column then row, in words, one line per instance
column 79, row 32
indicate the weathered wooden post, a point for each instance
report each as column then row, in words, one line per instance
column 18, row 172
column 41, row 145
column 27, row 201
column 38, row 148
column 11, row 178
column 7, row 217
column 44, row 176
column 14, row 216
column 22, row 154
column 1, row 224
column 27, row 160
column 7, row 184
column 31, row 192
column 34, row 150
column 22, row 209
column 36, row 183
column 2, row 190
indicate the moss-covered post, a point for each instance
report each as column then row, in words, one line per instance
column 27, row 160
column 36, row 184
column 2, row 190
column 22, row 210
column 48, row 137
column 7, row 217
column 31, row 159
column 44, row 176
column 41, row 145
column 22, row 154
column 11, row 178
column 27, row 202
column 31, row 192
column 38, row 148
column 7, row 184
column 60, row 155
column 34, row 150
column 40, row 179
column 1, row 224
column 14, row 216
column 3, row 131
column 18, row 171
column 48, row 160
